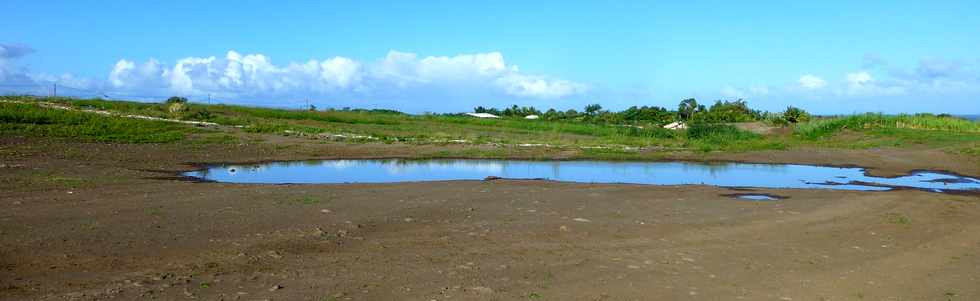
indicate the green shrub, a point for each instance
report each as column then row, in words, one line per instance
column 717, row 132
column 796, row 115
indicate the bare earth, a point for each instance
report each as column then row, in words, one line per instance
column 100, row 221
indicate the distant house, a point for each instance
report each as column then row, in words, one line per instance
column 483, row 115
column 676, row 125
column 531, row 117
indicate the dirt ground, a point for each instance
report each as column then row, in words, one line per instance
column 86, row 221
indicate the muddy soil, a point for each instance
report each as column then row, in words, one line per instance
column 86, row 221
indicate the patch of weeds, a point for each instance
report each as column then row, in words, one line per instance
column 534, row 295
column 90, row 226
column 899, row 219
column 154, row 211
column 66, row 181
column 205, row 285
column 306, row 200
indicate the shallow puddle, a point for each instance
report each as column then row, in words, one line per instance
column 755, row 197
column 655, row 173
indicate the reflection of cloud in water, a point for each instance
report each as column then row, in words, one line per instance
column 408, row 166
column 341, row 164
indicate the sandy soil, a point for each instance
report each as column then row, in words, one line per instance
column 100, row 221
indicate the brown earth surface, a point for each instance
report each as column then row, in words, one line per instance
column 90, row 221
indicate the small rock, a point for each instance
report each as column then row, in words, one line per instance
column 482, row 289
column 563, row 228
column 325, row 211
column 581, row 220
column 275, row 288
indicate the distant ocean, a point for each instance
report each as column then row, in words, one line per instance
column 970, row 117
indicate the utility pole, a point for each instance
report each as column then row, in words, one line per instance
column 209, row 98
column 55, row 89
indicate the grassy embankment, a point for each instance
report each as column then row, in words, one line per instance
column 378, row 126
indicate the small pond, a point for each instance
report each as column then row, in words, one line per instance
column 655, row 173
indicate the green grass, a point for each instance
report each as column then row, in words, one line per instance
column 33, row 120
column 898, row 218
column 823, row 128
column 618, row 141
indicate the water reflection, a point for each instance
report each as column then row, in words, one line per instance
column 658, row 173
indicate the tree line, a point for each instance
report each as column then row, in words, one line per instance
column 688, row 110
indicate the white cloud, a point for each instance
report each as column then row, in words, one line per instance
column 859, row 79
column 256, row 74
column 812, row 82
column 861, row 83
column 538, row 87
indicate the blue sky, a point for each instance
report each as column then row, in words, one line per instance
column 828, row 56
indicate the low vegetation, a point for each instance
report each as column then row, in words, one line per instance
column 30, row 119
column 722, row 126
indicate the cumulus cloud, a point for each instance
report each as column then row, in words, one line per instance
column 236, row 74
column 811, row 82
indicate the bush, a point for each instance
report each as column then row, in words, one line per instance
column 176, row 99
column 795, row 115
column 648, row 132
column 717, row 132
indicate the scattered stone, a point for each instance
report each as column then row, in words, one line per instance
column 409, row 219
column 319, row 232
column 325, row 211
column 275, row 288
column 581, row 220
column 482, row 289
column 563, row 228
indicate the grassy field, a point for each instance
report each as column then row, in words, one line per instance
column 26, row 116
